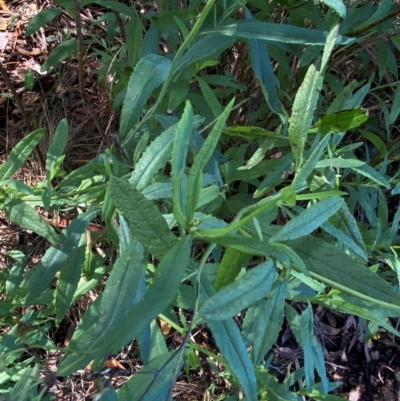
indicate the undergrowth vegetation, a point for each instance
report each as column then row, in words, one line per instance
column 254, row 177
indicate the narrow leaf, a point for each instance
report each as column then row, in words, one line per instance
column 56, row 149
column 108, row 311
column 252, row 246
column 371, row 173
column 256, row 29
column 117, row 6
column 276, row 391
column 150, row 72
column 178, row 162
column 154, row 158
column 310, row 163
column 240, row 294
column 61, row 52
column 340, row 122
column 303, row 113
column 20, row 153
column 252, row 133
column 338, row 6
column 268, row 322
column 194, row 183
column 206, row 48
column 337, row 269
column 121, row 302
column 345, row 221
column 263, row 69
column 230, row 342
column 40, row 277
column 309, row 220
column 152, row 382
column 210, row 97
column 70, row 274
column 41, row 19
column 22, row 214
column 14, row 278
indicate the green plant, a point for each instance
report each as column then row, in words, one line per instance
column 167, row 194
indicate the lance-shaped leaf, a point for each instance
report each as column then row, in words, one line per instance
column 121, row 312
column 338, row 6
column 153, row 382
column 266, row 322
column 229, row 340
column 303, row 113
column 20, row 153
column 205, row 49
column 150, row 72
column 109, row 310
column 153, row 159
column 303, row 329
column 145, row 220
column 194, row 182
column 22, row 214
column 310, row 164
column 56, row 150
column 70, row 274
column 309, row 220
column 41, row 19
column 263, row 69
column 240, row 294
column 41, row 276
column 178, row 162
column 340, row 122
column 256, row 29
column 332, row 266
column 306, row 102
column 61, row 52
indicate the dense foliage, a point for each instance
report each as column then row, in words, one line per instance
column 249, row 182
